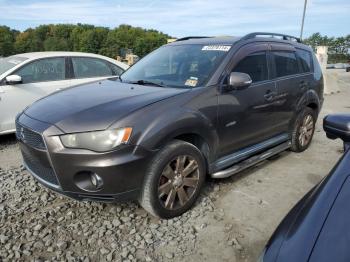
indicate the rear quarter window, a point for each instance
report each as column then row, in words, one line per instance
column 304, row 58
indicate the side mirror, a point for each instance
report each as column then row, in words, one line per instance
column 13, row 80
column 337, row 126
column 238, row 81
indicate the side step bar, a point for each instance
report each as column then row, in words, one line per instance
column 251, row 161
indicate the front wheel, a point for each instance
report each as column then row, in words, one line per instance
column 173, row 180
column 303, row 130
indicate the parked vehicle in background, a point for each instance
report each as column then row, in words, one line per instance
column 339, row 66
column 317, row 229
column 190, row 108
column 25, row 78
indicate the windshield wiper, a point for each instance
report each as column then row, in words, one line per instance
column 146, row 82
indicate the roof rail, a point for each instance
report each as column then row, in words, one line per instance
column 191, row 37
column 284, row 37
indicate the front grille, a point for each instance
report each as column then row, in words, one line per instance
column 45, row 173
column 29, row 137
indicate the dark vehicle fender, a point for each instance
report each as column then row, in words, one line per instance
column 181, row 124
column 309, row 99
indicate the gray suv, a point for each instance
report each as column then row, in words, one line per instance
column 198, row 107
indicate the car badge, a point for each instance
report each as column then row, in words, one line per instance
column 21, row 134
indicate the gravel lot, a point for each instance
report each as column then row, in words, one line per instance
column 231, row 221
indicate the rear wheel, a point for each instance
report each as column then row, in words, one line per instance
column 303, row 131
column 174, row 180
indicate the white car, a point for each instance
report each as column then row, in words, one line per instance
column 25, row 78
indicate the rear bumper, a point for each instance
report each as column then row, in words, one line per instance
column 56, row 167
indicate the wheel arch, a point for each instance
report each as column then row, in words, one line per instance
column 309, row 99
column 189, row 126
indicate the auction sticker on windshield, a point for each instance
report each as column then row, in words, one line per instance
column 192, row 81
column 223, row 48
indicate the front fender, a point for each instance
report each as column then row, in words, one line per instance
column 170, row 125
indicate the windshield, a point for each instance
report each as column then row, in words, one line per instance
column 177, row 66
column 10, row 62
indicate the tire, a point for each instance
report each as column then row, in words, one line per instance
column 304, row 126
column 161, row 194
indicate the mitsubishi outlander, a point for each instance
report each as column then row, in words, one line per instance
column 197, row 107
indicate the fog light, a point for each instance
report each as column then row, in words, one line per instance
column 96, row 181
column 88, row 181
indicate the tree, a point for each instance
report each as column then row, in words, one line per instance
column 91, row 41
column 338, row 48
column 56, row 44
column 28, row 41
column 7, row 39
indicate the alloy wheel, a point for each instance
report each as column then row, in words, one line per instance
column 178, row 182
column 306, row 130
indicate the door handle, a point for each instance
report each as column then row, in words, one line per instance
column 269, row 95
column 303, row 84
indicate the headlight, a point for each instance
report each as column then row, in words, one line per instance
column 99, row 141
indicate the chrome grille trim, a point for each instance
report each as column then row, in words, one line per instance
column 29, row 137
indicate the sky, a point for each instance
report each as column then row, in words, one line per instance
column 186, row 17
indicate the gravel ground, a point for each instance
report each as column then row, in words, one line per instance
column 231, row 221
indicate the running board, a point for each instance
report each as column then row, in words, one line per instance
column 251, row 161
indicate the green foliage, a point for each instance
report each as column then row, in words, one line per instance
column 7, row 40
column 338, row 48
column 81, row 37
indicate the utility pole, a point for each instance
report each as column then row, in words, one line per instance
column 302, row 23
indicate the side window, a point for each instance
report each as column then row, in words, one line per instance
column 286, row 63
column 254, row 65
column 49, row 69
column 85, row 67
column 116, row 70
column 304, row 60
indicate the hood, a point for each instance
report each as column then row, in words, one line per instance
column 97, row 105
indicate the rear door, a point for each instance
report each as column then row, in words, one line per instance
column 292, row 81
column 39, row 78
column 246, row 117
column 89, row 69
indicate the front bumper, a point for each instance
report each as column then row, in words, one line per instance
column 56, row 167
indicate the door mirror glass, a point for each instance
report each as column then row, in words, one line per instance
column 13, row 80
column 337, row 126
column 238, row 81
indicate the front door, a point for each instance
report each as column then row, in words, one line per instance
column 246, row 117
